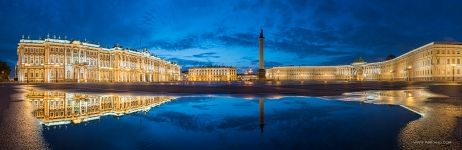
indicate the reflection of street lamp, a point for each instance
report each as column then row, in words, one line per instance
column 453, row 66
column 56, row 73
column 27, row 77
column 391, row 73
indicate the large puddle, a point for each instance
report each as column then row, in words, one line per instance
column 437, row 129
column 410, row 119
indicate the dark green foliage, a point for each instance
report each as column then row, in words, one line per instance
column 4, row 71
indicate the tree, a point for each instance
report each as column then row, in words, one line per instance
column 4, row 71
column 389, row 57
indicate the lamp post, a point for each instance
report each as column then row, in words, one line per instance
column 453, row 66
column 409, row 72
column 27, row 77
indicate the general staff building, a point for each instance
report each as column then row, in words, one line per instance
column 436, row 61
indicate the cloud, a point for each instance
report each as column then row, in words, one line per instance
column 273, row 64
column 180, row 44
column 186, row 63
column 239, row 39
column 206, row 55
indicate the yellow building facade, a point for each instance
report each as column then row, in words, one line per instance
column 56, row 108
column 212, row 73
column 56, row 60
column 436, row 61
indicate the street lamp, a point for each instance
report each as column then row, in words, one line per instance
column 408, row 72
column 453, row 66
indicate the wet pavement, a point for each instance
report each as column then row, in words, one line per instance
column 19, row 129
column 437, row 109
column 439, row 126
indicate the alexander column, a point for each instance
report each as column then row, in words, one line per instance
column 261, row 69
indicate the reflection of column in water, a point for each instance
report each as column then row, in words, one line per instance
column 262, row 114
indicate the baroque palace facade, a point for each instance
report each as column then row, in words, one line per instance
column 56, row 60
column 436, row 61
column 212, row 73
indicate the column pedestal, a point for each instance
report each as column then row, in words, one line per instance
column 261, row 74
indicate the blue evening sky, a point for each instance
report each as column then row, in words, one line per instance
column 225, row 32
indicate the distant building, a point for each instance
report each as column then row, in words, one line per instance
column 247, row 76
column 56, row 60
column 212, row 73
column 184, row 76
column 436, row 61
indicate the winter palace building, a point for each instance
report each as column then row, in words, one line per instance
column 436, row 61
column 57, row 60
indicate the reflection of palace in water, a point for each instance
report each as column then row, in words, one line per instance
column 55, row 108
